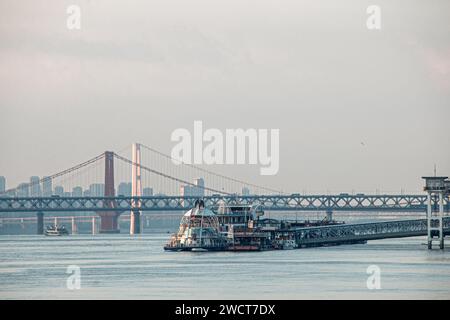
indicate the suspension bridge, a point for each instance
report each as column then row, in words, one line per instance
column 114, row 184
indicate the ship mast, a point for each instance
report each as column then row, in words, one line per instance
column 201, row 224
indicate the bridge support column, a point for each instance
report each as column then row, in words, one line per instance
column 93, row 225
column 135, row 222
column 329, row 215
column 109, row 219
column 40, row 222
column 435, row 223
column 109, row 222
column 74, row 226
column 136, row 190
column 436, row 186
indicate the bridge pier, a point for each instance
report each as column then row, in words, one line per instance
column 329, row 215
column 135, row 222
column 109, row 222
column 109, row 219
column 93, row 224
column 74, row 226
column 40, row 222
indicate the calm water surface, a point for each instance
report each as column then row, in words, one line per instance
column 125, row 267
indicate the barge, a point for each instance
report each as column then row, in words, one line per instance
column 237, row 228
column 198, row 231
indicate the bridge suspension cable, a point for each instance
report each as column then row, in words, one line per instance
column 211, row 172
column 168, row 176
column 59, row 174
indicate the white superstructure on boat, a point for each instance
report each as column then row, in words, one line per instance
column 199, row 229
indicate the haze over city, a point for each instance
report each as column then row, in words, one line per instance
column 357, row 109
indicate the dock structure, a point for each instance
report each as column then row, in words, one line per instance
column 436, row 187
column 363, row 232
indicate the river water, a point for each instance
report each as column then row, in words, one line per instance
column 136, row 267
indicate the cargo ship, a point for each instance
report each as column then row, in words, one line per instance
column 235, row 228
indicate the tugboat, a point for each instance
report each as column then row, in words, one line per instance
column 199, row 231
column 55, row 230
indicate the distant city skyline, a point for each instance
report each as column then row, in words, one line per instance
column 35, row 188
column 46, row 188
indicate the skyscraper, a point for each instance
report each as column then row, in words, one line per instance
column 197, row 190
column 124, row 189
column 47, row 187
column 23, row 190
column 97, row 189
column 245, row 191
column 35, row 187
column 59, row 191
column 2, row 184
column 185, row 191
column 77, row 191
column 147, row 192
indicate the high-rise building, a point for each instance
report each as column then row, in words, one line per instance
column 47, row 187
column 35, row 187
column 23, row 190
column 147, row 192
column 124, row 189
column 185, row 191
column 59, row 191
column 245, row 191
column 2, row 184
column 77, row 191
column 11, row 193
column 197, row 190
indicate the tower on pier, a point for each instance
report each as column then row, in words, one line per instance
column 436, row 187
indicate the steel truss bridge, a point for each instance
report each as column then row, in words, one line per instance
column 220, row 190
column 326, row 203
column 361, row 232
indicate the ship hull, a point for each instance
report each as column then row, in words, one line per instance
column 195, row 249
column 55, row 234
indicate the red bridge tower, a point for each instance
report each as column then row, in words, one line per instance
column 109, row 219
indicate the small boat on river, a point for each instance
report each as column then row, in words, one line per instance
column 55, row 230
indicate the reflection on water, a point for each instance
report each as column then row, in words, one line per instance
column 125, row 267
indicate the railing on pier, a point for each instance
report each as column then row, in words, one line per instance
column 364, row 231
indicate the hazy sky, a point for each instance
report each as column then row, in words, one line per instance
column 357, row 109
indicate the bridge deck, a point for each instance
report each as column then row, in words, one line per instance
column 361, row 203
